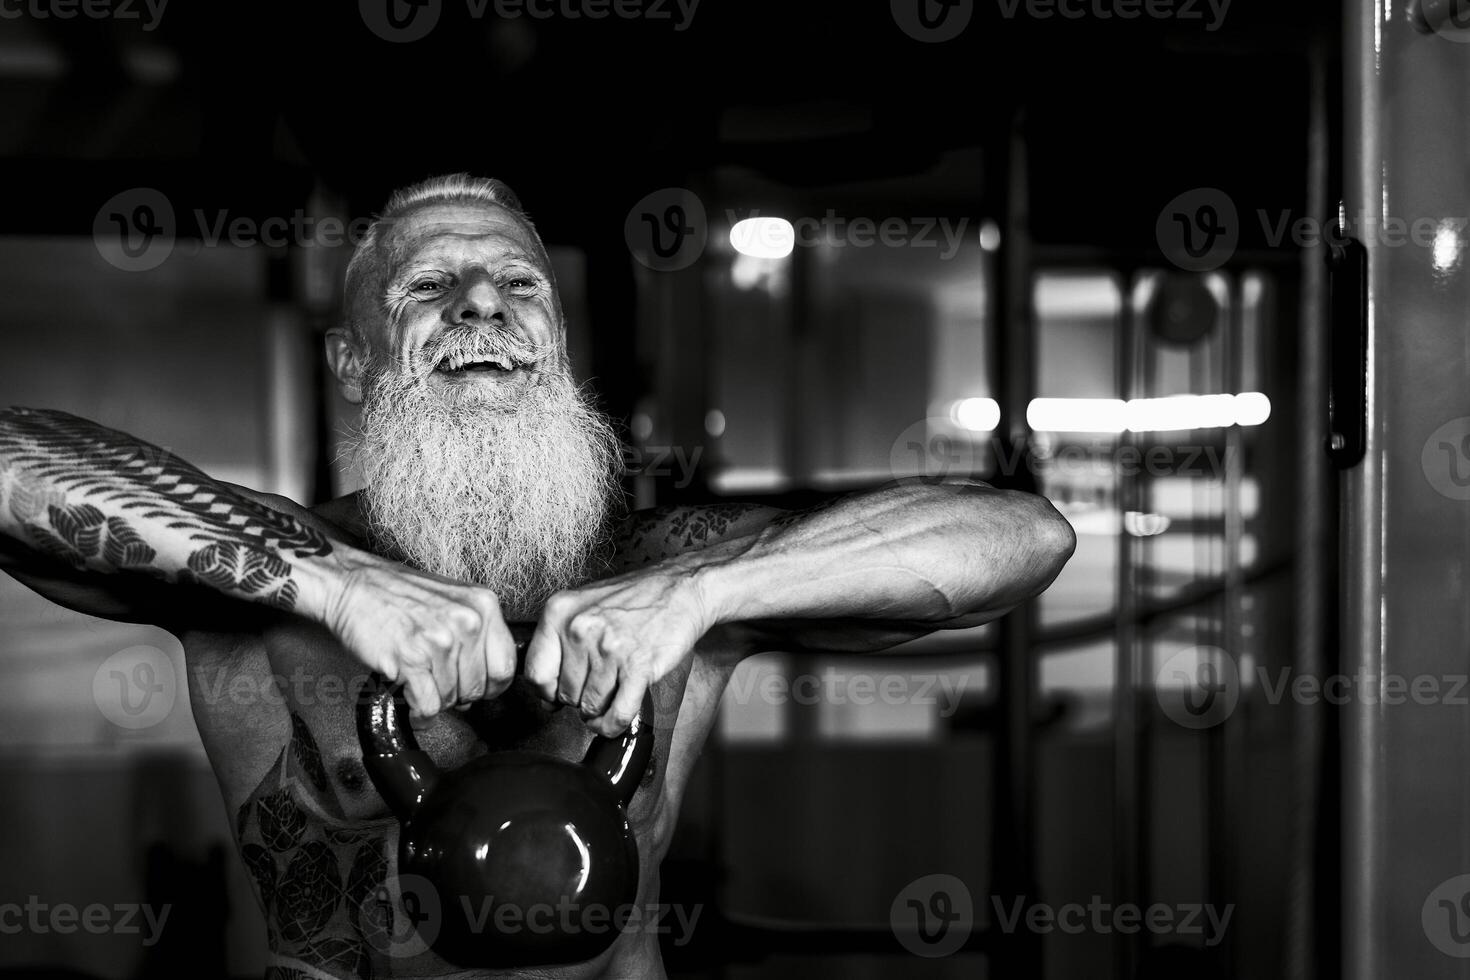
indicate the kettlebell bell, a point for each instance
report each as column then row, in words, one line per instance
column 523, row 849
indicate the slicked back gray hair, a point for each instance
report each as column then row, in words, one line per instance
column 447, row 188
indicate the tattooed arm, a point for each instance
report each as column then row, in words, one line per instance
column 107, row 524
column 858, row 573
column 103, row 510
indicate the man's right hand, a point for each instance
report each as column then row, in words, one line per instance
column 95, row 518
column 446, row 641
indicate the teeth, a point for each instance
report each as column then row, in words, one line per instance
column 455, row 362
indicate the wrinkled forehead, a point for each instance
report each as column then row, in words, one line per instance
column 457, row 231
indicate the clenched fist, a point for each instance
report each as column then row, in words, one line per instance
column 599, row 647
column 446, row 641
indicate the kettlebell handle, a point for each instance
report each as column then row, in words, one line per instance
column 404, row 774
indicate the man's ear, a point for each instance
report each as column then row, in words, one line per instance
column 347, row 363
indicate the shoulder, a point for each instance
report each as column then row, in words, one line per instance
column 661, row 532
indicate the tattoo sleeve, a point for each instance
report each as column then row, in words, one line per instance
column 104, row 502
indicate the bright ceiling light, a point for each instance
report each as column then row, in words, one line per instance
column 763, row 238
column 976, row 414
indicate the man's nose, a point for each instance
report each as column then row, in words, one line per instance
column 478, row 301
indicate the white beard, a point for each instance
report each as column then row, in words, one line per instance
column 515, row 493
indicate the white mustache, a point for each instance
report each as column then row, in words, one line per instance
column 506, row 349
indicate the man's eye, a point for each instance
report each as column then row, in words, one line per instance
column 521, row 282
column 427, row 286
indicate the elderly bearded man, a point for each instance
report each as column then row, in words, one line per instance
column 490, row 497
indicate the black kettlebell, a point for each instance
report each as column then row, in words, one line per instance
column 523, row 850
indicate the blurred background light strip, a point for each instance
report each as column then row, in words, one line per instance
column 1077, row 414
column 1168, row 414
column 1177, row 412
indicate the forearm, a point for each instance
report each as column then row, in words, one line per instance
column 102, row 501
column 942, row 555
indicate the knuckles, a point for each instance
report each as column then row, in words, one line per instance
column 583, row 628
column 468, row 619
column 616, row 644
column 500, row 673
column 559, row 607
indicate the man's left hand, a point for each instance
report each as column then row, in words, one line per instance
column 599, row 647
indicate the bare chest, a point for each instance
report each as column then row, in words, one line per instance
column 286, row 699
column 277, row 714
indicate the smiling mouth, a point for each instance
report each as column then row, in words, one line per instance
column 458, row 366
